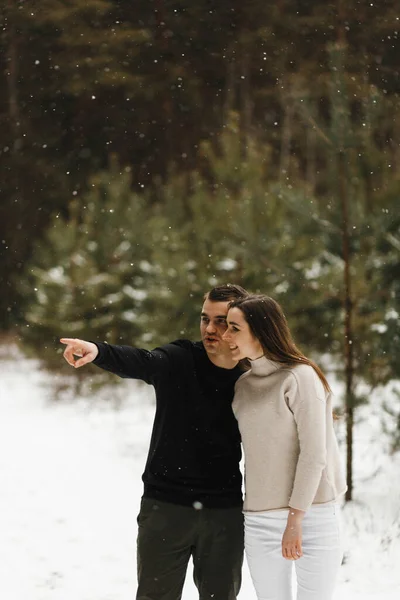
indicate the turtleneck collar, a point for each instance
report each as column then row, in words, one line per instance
column 263, row 366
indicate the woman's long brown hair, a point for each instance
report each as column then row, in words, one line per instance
column 268, row 324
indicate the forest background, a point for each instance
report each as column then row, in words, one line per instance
column 152, row 149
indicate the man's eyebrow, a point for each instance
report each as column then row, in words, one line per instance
column 203, row 314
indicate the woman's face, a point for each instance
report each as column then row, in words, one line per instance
column 242, row 342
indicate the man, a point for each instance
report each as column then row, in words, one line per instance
column 192, row 500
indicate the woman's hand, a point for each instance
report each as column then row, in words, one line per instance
column 292, row 537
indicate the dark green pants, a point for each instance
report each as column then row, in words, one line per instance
column 170, row 534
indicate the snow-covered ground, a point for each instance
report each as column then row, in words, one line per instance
column 70, row 488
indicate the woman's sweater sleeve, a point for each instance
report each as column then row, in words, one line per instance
column 307, row 401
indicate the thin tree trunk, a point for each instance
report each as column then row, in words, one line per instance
column 286, row 138
column 12, row 78
column 311, row 142
column 348, row 303
column 229, row 102
column 12, row 211
column 348, row 307
column 245, row 101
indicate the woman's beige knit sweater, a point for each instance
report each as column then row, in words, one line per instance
column 291, row 453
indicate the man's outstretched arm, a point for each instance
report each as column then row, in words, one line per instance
column 86, row 351
column 124, row 361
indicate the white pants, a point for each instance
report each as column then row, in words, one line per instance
column 315, row 571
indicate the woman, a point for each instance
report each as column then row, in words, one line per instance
column 292, row 464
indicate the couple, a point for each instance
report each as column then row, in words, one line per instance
column 192, row 500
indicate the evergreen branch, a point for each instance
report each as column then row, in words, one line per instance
column 318, row 129
column 393, row 240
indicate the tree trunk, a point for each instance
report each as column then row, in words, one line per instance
column 348, row 307
column 229, row 102
column 12, row 78
column 311, row 169
column 286, row 138
column 245, row 101
column 342, row 145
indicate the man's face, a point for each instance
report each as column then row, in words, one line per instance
column 213, row 327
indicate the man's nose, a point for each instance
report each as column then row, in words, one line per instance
column 210, row 327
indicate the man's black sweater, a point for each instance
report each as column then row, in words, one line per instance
column 195, row 447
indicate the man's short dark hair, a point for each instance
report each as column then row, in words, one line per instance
column 226, row 293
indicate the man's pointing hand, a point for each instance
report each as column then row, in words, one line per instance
column 86, row 351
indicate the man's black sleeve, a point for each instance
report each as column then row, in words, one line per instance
column 134, row 363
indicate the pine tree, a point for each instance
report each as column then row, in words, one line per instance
column 89, row 277
column 231, row 222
